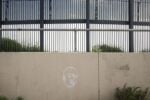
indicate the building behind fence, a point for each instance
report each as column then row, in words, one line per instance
column 74, row 14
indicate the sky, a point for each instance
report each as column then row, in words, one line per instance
column 75, row 9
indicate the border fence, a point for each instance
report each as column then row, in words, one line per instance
column 37, row 25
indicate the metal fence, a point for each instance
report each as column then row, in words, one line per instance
column 74, row 14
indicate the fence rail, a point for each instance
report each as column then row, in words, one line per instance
column 43, row 29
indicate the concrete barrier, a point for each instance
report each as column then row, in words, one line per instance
column 119, row 69
column 76, row 76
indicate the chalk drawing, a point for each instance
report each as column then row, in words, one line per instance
column 70, row 76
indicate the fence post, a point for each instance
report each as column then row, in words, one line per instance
column 87, row 25
column 131, row 19
column 41, row 25
column 75, row 40
column 0, row 22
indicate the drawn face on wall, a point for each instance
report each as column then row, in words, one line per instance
column 70, row 77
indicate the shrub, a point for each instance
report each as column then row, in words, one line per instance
column 146, row 50
column 29, row 49
column 19, row 98
column 105, row 48
column 8, row 45
column 132, row 93
column 3, row 98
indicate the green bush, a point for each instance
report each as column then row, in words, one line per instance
column 8, row 45
column 105, row 48
column 146, row 50
column 132, row 93
column 19, row 98
column 29, row 49
column 3, row 98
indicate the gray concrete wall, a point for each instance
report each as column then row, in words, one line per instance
column 118, row 69
column 40, row 76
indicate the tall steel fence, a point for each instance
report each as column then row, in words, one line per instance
column 75, row 14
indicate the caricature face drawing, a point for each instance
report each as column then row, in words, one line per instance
column 70, row 77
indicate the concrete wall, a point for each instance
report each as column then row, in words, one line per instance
column 40, row 76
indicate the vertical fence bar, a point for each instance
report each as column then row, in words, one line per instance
column 41, row 25
column 131, row 17
column 96, row 9
column 50, row 9
column 0, row 22
column 87, row 25
column 75, row 41
column 138, row 11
